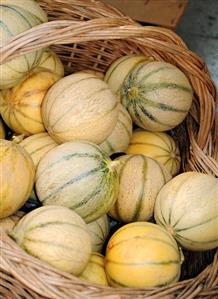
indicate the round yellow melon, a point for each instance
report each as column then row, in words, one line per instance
column 80, row 176
column 157, row 145
column 2, row 130
column 120, row 137
column 38, row 145
column 120, row 69
column 142, row 255
column 95, row 271
column 21, row 105
column 157, row 95
column 80, row 106
column 187, row 207
column 141, row 178
column 16, row 176
column 57, row 236
column 51, row 61
column 15, row 17
column 99, row 230
column 98, row 74
column 9, row 222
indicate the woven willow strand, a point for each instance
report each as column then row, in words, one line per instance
column 89, row 34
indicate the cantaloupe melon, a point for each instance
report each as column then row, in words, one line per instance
column 141, row 178
column 15, row 17
column 187, row 207
column 80, row 107
column 2, row 130
column 157, row 95
column 120, row 69
column 57, row 236
column 119, row 139
column 20, row 106
column 142, row 255
column 16, row 176
column 28, row 5
column 80, row 176
column 95, row 271
column 51, row 61
column 157, row 145
column 99, row 230
column 38, row 145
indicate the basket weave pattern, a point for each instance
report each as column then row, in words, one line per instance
column 89, row 34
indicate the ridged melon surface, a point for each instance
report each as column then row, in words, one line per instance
column 16, row 176
column 51, row 61
column 57, row 236
column 38, row 145
column 20, row 106
column 28, row 5
column 80, row 176
column 119, row 139
column 187, row 207
column 120, row 69
column 157, row 145
column 95, row 271
column 142, row 255
column 80, row 107
column 157, row 95
column 99, row 230
column 15, row 17
column 141, row 178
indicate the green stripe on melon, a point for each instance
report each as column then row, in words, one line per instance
column 78, row 175
column 138, row 189
column 21, row 106
column 51, row 61
column 146, row 251
column 187, row 207
column 99, row 230
column 119, row 138
column 80, row 107
column 29, row 5
column 14, row 19
column 120, row 69
column 55, row 235
column 157, row 145
column 157, row 95
column 38, row 145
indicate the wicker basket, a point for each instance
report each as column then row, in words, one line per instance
column 90, row 34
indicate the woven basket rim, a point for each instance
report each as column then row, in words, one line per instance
column 12, row 253
column 70, row 32
column 108, row 24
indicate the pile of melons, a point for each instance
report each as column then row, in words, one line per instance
column 65, row 130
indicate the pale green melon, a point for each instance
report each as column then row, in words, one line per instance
column 80, row 107
column 157, row 95
column 57, row 236
column 187, row 207
column 16, row 18
column 140, row 178
column 99, row 230
column 120, row 68
column 51, row 61
column 119, row 139
column 80, row 176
